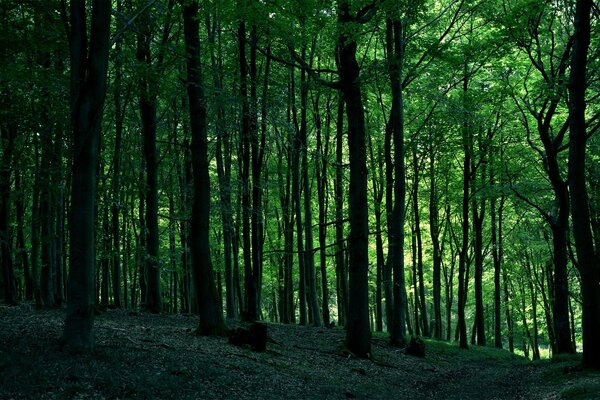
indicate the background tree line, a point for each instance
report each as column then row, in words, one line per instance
column 424, row 168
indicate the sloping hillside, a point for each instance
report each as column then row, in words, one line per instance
column 152, row 356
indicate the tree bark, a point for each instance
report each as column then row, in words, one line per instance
column 588, row 261
column 207, row 299
column 358, row 333
column 7, row 138
column 89, row 65
column 395, row 43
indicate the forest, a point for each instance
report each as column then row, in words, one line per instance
column 398, row 169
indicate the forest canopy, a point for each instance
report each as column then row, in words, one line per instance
column 421, row 168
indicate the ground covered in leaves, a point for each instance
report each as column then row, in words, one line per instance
column 142, row 356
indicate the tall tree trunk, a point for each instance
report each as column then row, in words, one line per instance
column 208, row 302
column 309, row 256
column 462, row 261
column 588, row 261
column 496, row 215
column 358, row 333
column 256, row 151
column 7, row 139
column 340, row 259
column 321, row 171
column 147, row 104
column 251, row 295
column 297, row 206
column 434, row 231
column 478, row 207
column 223, row 158
column 89, row 65
column 395, row 44
column 116, row 165
column 419, row 239
column 21, row 244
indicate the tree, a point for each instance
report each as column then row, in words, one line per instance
column 89, row 65
column 358, row 333
column 587, row 261
column 209, row 304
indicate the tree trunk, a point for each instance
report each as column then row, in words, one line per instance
column 116, row 165
column 147, row 104
column 340, row 259
column 462, row 261
column 434, row 230
column 321, row 171
column 209, row 304
column 395, row 44
column 358, row 334
column 89, row 65
column 419, row 240
column 588, row 261
column 496, row 215
column 7, row 138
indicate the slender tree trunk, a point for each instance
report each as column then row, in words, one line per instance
column 21, row 244
column 297, row 206
column 496, row 215
column 321, row 171
column 507, row 311
column 340, row 259
column 478, row 218
column 462, row 261
column 116, row 164
column 147, row 103
column 89, row 65
column 419, row 239
column 7, row 138
column 434, row 231
column 395, row 43
column 309, row 256
column 223, row 158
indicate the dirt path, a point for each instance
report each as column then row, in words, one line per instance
column 142, row 356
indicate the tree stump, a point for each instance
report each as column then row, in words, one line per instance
column 255, row 337
column 416, row 347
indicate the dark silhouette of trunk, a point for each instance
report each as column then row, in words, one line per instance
column 414, row 297
column 419, row 242
column 497, row 217
column 434, row 231
column 7, row 139
column 297, row 206
column 23, row 258
column 89, row 64
column 358, row 333
column 378, row 187
column 462, row 260
column 207, row 299
column 286, row 300
column 148, row 105
column 223, row 158
column 340, row 258
column 251, row 294
column 478, row 207
column 588, row 261
column 395, row 45
column 257, row 146
column 321, row 172
column 508, row 314
column 116, row 166
column 309, row 256
column 106, row 251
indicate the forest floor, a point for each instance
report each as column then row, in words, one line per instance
column 142, row 356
